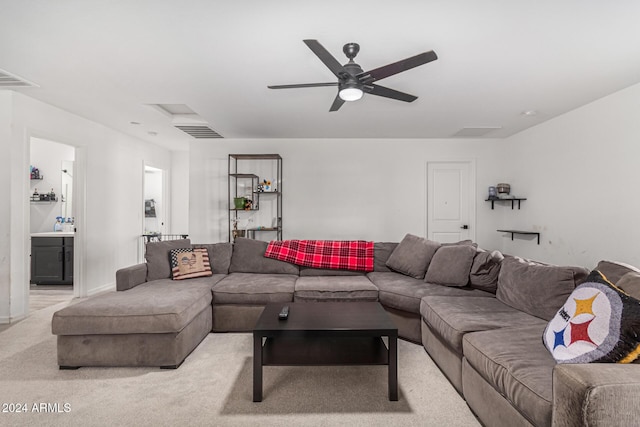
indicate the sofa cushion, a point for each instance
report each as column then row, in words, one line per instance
column 450, row 265
column 404, row 293
column 517, row 365
column 597, row 323
column 248, row 257
column 157, row 307
column 451, row 318
column 254, row 288
column 381, row 253
column 335, row 288
column 219, row 256
column 412, row 256
column 536, row 288
column 157, row 256
column 188, row 263
column 485, row 270
column 310, row 271
column 614, row 270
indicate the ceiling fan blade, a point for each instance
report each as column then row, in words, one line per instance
column 397, row 67
column 328, row 59
column 389, row 93
column 337, row 103
column 295, row 86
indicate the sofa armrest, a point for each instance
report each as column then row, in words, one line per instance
column 596, row 394
column 130, row 277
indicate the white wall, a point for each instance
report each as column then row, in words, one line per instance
column 110, row 224
column 179, row 192
column 580, row 174
column 5, row 208
column 47, row 156
column 343, row 189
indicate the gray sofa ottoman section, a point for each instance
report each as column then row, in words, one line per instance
column 335, row 288
column 515, row 363
column 159, row 323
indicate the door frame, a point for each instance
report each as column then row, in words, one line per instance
column 472, row 192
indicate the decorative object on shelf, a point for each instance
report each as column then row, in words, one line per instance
column 238, row 203
column 503, row 188
column 35, row 173
column 492, row 193
column 247, row 204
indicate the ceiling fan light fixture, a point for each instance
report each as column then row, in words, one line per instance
column 349, row 91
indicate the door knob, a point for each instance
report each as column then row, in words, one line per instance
column 465, row 227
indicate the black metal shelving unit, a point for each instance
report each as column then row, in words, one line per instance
column 239, row 171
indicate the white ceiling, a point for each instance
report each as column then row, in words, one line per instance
column 107, row 60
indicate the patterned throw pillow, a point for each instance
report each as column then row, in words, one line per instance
column 598, row 323
column 189, row 263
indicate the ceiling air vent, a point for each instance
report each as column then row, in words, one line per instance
column 8, row 80
column 199, row 131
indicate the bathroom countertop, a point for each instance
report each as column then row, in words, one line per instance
column 54, row 234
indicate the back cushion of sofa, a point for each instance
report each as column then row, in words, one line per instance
column 450, row 265
column 485, row 270
column 536, row 288
column 219, row 256
column 412, row 256
column 248, row 257
column 157, row 256
column 381, row 253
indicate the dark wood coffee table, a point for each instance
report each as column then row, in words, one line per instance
column 325, row 333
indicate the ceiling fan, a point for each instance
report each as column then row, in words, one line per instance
column 353, row 82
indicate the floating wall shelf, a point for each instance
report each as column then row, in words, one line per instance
column 530, row 233
column 516, row 199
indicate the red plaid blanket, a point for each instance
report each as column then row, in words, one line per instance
column 334, row 254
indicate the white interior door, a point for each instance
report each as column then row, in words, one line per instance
column 451, row 201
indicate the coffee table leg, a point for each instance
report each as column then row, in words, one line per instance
column 257, row 368
column 393, row 368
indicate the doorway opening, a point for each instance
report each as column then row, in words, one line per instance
column 52, row 220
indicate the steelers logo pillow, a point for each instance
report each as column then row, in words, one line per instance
column 598, row 323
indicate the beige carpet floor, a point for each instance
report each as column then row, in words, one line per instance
column 214, row 388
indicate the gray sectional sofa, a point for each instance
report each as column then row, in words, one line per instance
column 479, row 317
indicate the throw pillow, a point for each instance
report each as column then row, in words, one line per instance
column 412, row 256
column 189, row 263
column 450, row 265
column 157, row 256
column 598, row 323
column 536, row 288
column 485, row 270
